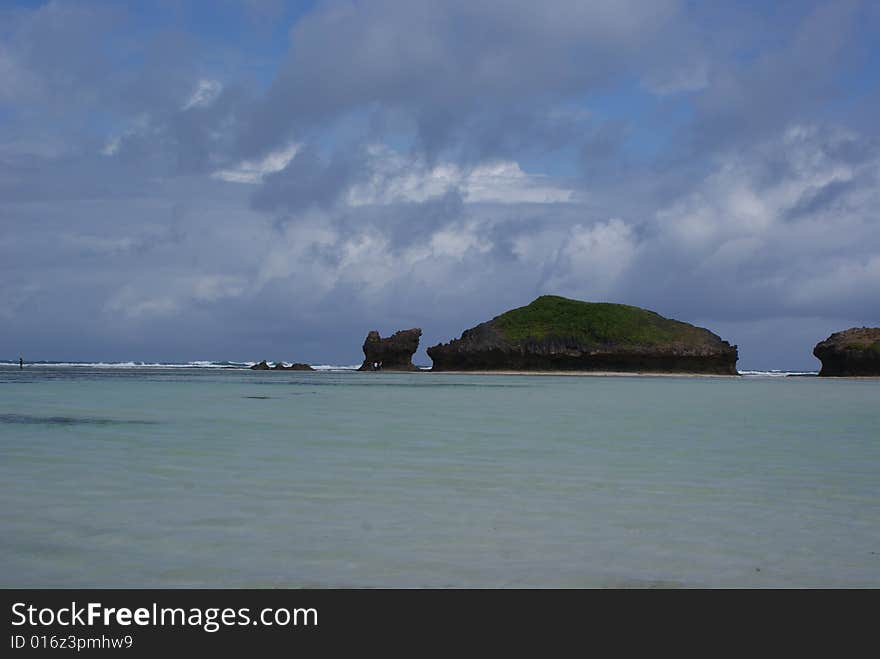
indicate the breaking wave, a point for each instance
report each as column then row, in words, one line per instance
column 130, row 364
column 331, row 367
column 197, row 364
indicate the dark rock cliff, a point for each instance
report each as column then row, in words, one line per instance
column 557, row 334
column 854, row 352
column 393, row 353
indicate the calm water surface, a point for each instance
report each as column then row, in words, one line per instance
column 188, row 477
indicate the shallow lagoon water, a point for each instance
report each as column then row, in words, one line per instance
column 233, row 478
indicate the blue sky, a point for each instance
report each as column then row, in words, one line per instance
column 249, row 179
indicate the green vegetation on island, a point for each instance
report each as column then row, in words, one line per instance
column 593, row 323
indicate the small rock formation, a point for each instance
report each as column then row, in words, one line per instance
column 558, row 334
column 853, row 352
column 393, row 353
column 279, row 366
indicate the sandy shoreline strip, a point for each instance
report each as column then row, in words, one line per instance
column 646, row 374
column 600, row 374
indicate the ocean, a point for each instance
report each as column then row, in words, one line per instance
column 207, row 475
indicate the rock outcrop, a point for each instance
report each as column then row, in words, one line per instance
column 393, row 353
column 558, row 334
column 853, row 352
column 279, row 366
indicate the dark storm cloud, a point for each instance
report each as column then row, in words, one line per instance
column 446, row 65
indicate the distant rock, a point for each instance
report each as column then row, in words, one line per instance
column 558, row 334
column 854, row 352
column 299, row 367
column 393, row 353
column 279, row 366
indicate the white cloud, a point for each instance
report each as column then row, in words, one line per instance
column 591, row 259
column 840, row 281
column 690, row 78
column 253, row 171
column 791, row 221
column 100, row 244
column 365, row 264
column 505, row 182
column 111, row 148
column 131, row 306
column 397, row 178
column 139, row 125
column 455, row 241
column 205, row 93
column 292, row 253
column 739, row 201
column 209, row 288
column 16, row 83
column 139, row 300
column 14, row 297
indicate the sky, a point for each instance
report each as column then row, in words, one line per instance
column 258, row 179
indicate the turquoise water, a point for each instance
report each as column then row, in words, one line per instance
column 233, row 478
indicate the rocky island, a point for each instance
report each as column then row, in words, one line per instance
column 853, row 352
column 558, row 334
column 279, row 366
column 393, row 353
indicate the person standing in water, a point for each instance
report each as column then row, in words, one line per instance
column 20, row 362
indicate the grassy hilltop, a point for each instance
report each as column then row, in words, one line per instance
column 594, row 323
